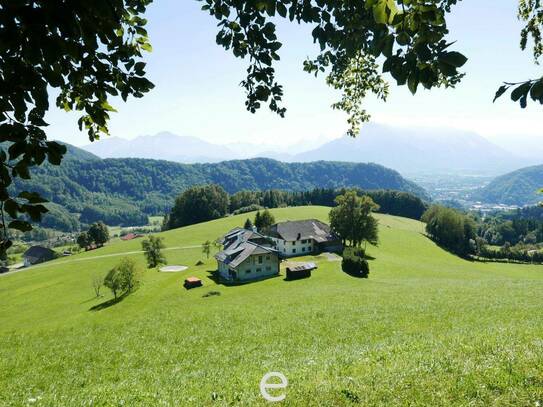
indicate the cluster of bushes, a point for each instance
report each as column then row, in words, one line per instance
column 520, row 253
column 504, row 228
column 97, row 235
column 451, row 229
column 354, row 262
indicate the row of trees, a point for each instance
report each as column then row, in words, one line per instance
column 391, row 202
column 451, row 229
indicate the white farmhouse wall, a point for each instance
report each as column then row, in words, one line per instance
column 295, row 248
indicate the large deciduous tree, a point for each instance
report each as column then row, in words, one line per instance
column 352, row 219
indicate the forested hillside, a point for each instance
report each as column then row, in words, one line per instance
column 126, row 190
column 515, row 188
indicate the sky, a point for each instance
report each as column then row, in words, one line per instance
column 197, row 89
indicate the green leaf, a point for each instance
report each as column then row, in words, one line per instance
column 20, row 225
column 500, row 92
column 413, row 83
column 453, row 58
column 520, row 91
column 380, row 12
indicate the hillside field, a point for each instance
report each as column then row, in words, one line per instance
column 426, row 328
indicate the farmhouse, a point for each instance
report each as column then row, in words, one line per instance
column 247, row 256
column 38, row 254
column 302, row 237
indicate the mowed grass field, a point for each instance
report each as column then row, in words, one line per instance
column 426, row 328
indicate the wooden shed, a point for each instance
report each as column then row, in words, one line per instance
column 192, row 282
column 300, row 270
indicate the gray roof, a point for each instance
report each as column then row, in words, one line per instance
column 237, row 236
column 39, row 252
column 302, row 267
column 303, row 229
column 234, row 256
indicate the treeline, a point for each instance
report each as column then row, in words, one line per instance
column 466, row 235
column 390, row 202
column 517, row 253
column 207, row 202
column 150, row 187
column 520, row 226
column 451, row 229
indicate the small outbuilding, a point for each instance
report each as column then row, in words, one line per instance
column 38, row 254
column 300, row 270
column 192, row 282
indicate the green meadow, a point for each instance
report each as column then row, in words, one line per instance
column 425, row 329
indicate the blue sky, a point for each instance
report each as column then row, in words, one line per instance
column 197, row 89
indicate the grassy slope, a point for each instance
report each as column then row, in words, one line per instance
column 425, row 329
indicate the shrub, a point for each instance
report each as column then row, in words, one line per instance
column 354, row 263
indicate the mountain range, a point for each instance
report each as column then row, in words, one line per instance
column 408, row 150
column 126, row 190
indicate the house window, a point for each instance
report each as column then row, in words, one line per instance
column 293, row 250
column 247, row 271
column 303, row 249
column 259, row 259
column 284, row 250
column 258, row 270
column 267, row 257
column 268, row 268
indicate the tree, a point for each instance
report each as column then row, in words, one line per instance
column 97, row 283
column 98, row 233
column 248, row 224
column 85, row 66
column 129, row 274
column 153, row 251
column 264, row 220
column 198, row 204
column 113, row 281
column 83, row 240
column 206, row 248
column 123, row 278
column 351, row 219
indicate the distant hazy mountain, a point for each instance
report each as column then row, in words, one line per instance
column 516, row 188
column 408, row 150
column 418, row 150
column 162, row 146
